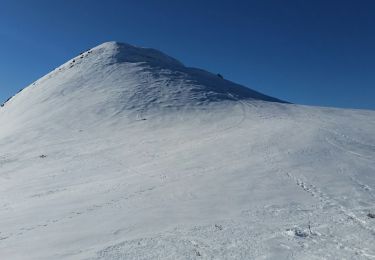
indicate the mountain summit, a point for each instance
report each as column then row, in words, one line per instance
column 120, row 79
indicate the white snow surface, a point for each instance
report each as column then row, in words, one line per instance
column 125, row 153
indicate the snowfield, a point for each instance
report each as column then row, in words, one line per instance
column 125, row 153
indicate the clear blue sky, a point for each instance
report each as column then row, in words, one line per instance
column 316, row 52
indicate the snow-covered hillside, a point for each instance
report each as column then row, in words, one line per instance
column 124, row 153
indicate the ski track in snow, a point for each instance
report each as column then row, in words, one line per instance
column 328, row 202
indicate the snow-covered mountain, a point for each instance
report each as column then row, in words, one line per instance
column 125, row 153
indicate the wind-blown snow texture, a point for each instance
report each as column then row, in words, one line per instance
column 124, row 153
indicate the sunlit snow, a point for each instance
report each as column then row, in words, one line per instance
column 124, row 153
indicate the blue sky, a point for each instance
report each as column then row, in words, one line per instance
column 309, row 52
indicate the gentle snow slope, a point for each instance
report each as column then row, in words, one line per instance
column 124, row 153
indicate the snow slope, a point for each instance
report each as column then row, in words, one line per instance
column 124, row 153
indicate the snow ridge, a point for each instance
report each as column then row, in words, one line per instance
column 118, row 81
